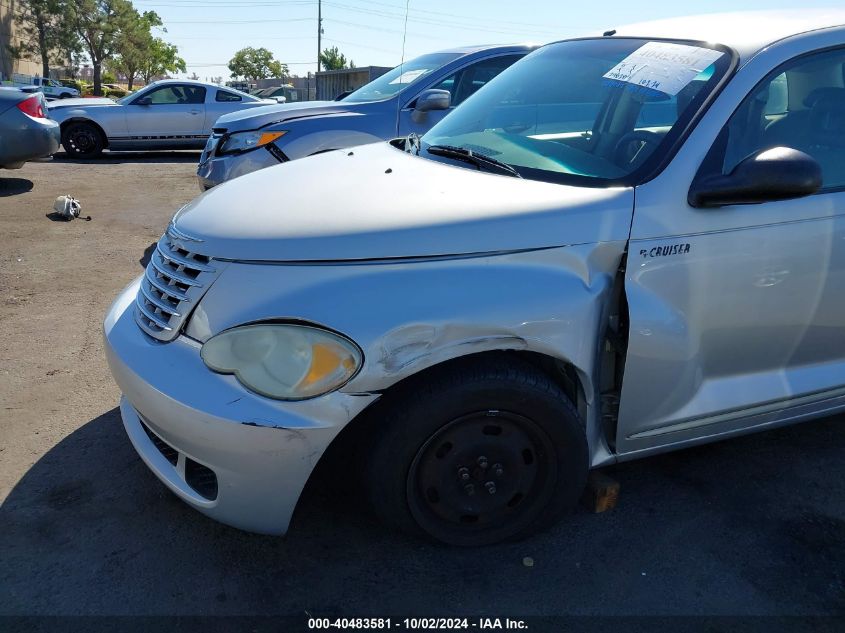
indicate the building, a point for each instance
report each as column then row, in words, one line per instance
column 8, row 64
column 331, row 83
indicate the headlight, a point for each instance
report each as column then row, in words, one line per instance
column 286, row 362
column 245, row 141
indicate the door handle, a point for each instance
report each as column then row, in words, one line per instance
column 194, row 111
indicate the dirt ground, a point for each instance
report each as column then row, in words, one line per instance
column 754, row 526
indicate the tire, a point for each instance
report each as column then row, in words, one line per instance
column 82, row 140
column 487, row 450
column 64, row 95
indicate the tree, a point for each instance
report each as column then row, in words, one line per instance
column 100, row 24
column 256, row 63
column 333, row 59
column 134, row 46
column 162, row 58
column 41, row 31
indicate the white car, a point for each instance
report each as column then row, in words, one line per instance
column 51, row 88
column 167, row 114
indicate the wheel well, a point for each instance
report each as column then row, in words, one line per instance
column 66, row 124
column 351, row 440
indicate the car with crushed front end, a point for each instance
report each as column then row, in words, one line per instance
column 166, row 114
column 623, row 245
column 26, row 133
column 410, row 98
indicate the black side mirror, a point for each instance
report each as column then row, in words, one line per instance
column 433, row 99
column 779, row 173
column 144, row 101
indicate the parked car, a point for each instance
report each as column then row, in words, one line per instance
column 51, row 88
column 25, row 131
column 410, row 98
column 623, row 245
column 167, row 114
column 281, row 94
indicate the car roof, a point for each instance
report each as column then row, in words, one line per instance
column 184, row 81
column 491, row 48
column 744, row 31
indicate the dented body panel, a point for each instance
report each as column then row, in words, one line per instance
column 680, row 325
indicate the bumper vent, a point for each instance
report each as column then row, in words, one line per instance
column 201, row 478
column 170, row 453
column 175, row 280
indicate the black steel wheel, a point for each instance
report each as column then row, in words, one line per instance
column 82, row 140
column 480, row 453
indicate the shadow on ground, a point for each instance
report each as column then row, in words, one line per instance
column 115, row 158
column 750, row 526
column 14, row 186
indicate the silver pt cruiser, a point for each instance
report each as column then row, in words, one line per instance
column 622, row 245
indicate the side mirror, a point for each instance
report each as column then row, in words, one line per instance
column 143, row 101
column 433, row 99
column 780, row 173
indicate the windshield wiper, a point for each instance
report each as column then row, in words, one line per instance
column 467, row 155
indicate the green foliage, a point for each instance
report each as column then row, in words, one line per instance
column 41, row 30
column 135, row 46
column 256, row 63
column 100, row 24
column 333, row 59
column 73, row 83
column 162, row 58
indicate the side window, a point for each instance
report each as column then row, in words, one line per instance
column 175, row 95
column 224, row 96
column 800, row 105
column 467, row 81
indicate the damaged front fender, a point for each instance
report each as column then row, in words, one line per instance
column 408, row 316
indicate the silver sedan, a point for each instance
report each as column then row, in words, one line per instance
column 168, row 114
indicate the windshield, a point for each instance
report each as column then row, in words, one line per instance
column 393, row 81
column 592, row 112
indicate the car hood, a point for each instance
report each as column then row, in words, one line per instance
column 378, row 202
column 81, row 102
column 255, row 118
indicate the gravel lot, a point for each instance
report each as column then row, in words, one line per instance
column 752, row 526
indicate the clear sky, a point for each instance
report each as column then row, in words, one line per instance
column 370, row 32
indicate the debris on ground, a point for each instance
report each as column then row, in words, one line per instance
column 67, row 208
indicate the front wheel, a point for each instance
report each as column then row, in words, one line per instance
column 82, row 140
column 486, row 451
column 65, row 95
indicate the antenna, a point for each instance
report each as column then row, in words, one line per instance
column 402, row 63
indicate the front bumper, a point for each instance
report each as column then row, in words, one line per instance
column 259, row 452
column 214, row 170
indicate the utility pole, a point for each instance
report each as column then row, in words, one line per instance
column 319, row 31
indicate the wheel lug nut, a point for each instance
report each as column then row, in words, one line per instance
column 497, row 468
column 463, row 473
column 491, row 487
column 469, row 489
column 482, row 461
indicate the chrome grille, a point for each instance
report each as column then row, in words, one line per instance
column 175, row 280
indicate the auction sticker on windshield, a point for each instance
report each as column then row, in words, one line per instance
column 663, row 66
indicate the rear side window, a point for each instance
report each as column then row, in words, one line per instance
column 224, row 96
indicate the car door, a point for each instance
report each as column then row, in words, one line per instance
column 737, row 312
column 461, row 84
column 173, row 114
